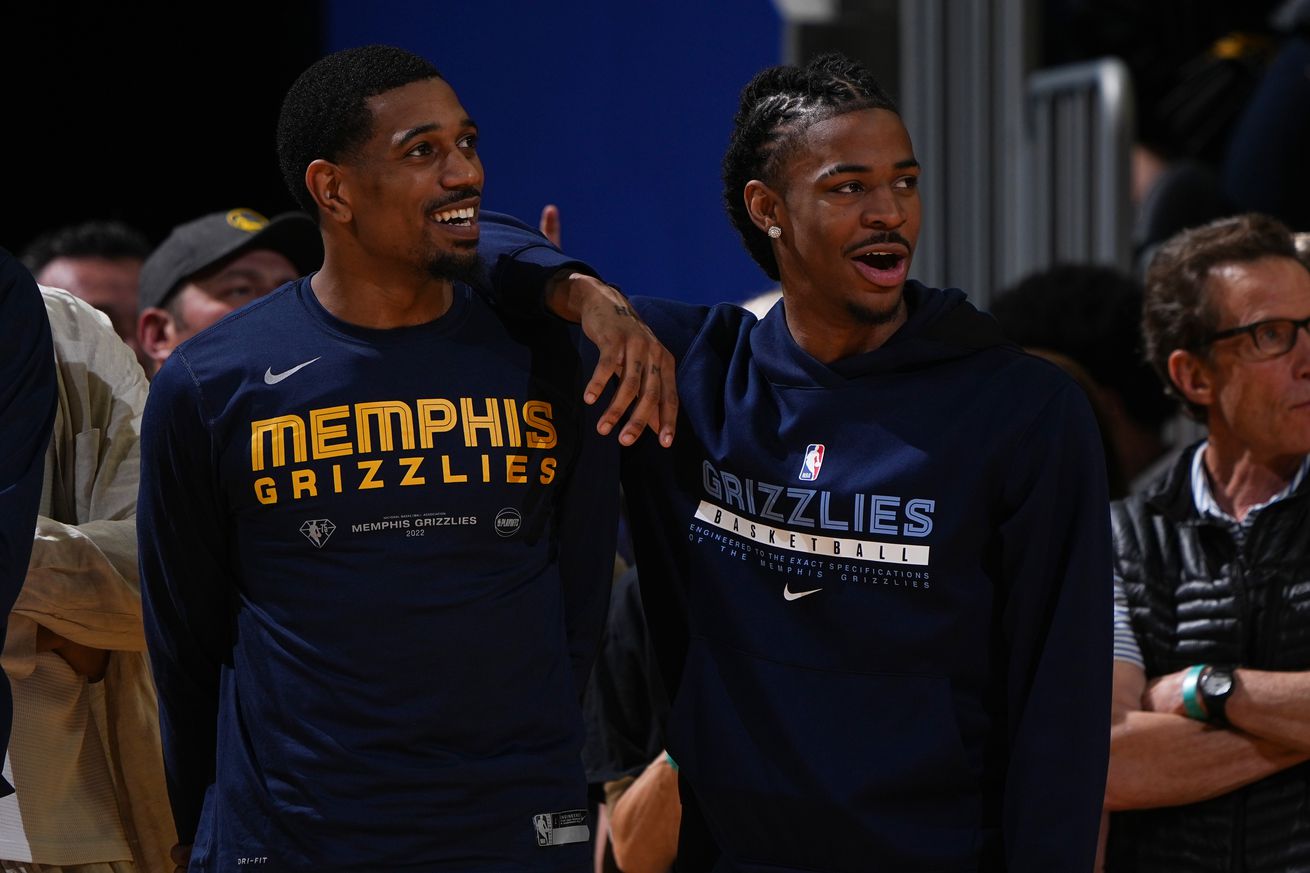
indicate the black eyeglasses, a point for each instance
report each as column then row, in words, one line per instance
column 1271, row 338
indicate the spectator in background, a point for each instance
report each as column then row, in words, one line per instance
column 1092, row 315
column 1222, row 102
column 98, row 261
column 84, row 756
column 1118, row 485
column 1211, row 715
column 1265, row 167
column 213, row 265
column 28, row 400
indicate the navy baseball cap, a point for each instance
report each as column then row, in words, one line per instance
column 196, row 246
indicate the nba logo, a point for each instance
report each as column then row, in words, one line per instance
column 813, row 461
column 543, row 826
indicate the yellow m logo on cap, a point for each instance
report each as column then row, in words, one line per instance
column 247, row 219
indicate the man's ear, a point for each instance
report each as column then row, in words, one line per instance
column 326, row 182
column 1192, row 376
column 764, row 205
column 156, row 333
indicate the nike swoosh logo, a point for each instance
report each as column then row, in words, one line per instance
column 271, row 378
column 788, row 594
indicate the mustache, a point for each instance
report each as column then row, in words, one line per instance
column 453, row 197
column 879, row 238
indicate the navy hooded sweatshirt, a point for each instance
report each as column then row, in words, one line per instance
column 880, row 590
column 880, row 593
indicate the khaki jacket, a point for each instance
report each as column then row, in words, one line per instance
column 82, row 582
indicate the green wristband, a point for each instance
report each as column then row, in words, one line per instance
column 1191, row 695
column 668, row 759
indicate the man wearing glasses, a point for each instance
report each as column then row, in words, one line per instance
column 1211, row 721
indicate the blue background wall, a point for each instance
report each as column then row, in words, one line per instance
column 619, row 112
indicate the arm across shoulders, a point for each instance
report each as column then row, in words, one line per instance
column 678, row 325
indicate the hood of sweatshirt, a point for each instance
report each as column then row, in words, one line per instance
column 942, row 325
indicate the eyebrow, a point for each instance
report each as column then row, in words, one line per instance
column 405, row 136
column 907, row 164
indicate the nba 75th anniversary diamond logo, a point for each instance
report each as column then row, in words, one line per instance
column 317, row 531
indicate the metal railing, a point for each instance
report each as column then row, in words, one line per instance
column 1078, row 151
column 963, row 64
column 1023, row 168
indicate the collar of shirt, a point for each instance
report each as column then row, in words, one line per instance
column 1204, row 496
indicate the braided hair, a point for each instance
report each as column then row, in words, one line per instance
column 776, row 107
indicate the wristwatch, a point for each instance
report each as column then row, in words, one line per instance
column 1215, row 685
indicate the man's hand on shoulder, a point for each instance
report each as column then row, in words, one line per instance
column 629, row 351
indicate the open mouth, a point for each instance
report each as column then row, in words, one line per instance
column 464, row 217
column 886, row 269
column 881, row 261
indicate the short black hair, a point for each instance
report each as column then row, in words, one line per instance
column 1093, row 315
column 1178, row 312
column 776, row 106
column 111, row 240
column 325, row 113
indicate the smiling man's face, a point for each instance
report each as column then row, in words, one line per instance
column 417, row 181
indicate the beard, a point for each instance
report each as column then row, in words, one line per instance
column 459, row 266
column 874, row 317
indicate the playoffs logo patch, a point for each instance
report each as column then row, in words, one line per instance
column 508, row 522
column 561, row 828
column 812, row 463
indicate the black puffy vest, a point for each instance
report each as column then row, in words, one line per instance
column 1196, row 595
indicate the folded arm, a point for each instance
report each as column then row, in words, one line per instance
column 1273, row 705
column 1164, row 758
